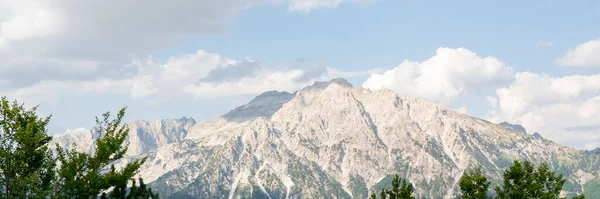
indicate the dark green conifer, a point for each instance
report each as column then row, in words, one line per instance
column 473, row 184
column 400, row 190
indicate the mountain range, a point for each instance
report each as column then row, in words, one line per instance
column 332, row 140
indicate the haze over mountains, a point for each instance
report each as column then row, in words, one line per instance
column 331, row 140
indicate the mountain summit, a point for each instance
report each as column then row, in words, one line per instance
column 324, row 84
column 516, row 127
column 267, row 103
column 331, row 140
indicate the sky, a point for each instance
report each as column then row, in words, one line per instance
column 535, row 63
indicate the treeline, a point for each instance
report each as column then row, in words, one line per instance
column 520, row 181
column 29, row 168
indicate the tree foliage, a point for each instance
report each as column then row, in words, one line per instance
column 83, row 175
column 26, row 164
column 520, row 181
column 523, row 181
column 579, row 197
column 28, row 168
column 134, row 192
column 474, row 185
column 400, row 190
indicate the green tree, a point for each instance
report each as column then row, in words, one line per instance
column 473, row 184
column 400, row 190
column 133, row 192
column 26, row 164
column 579, row 197
column 523, row 181
column 83, row 175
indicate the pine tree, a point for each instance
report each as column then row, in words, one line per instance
column 133, row 192
column 142, row 191
column 400, row 190
column 474, row 185
column 83, row 175
column 26, row 164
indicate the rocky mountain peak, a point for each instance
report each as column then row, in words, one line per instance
column 350, row 140
column 187, row 120
column 516, row 127
column 596, row 151
column 144, row 136
column 319, row 85
column 267, row 103
column 263, row 105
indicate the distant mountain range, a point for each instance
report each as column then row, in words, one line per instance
column 331, row 140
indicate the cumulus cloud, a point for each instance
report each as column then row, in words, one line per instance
column 82, row 40
column 445, row 77
column 264, row 78
column 154, row 77
column 584, row 55
column 199, row 74
column 564, row 109
column 76, row 40
column 204, row 74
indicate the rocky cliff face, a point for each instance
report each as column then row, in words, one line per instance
column 331, row 140
column 144, row 136
column 263, row 105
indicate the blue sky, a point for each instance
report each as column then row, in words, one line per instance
column 527, row 62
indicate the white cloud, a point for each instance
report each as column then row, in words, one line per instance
column 29, row 19
column 445, row 77
column 584, row 55
column 463, row 110
column 168, row 78
column 564, row 109
column 199, row 74
column 151, row 78
column 51, row 91
column 209, row 75
column 540, row 44
column 51, row 35
column 204, row 74
column 264, row 81
column 49, row 40
column 308, row 5
column 2, row 43
column 143, row 86
column 530, row 90
column 492, row 101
